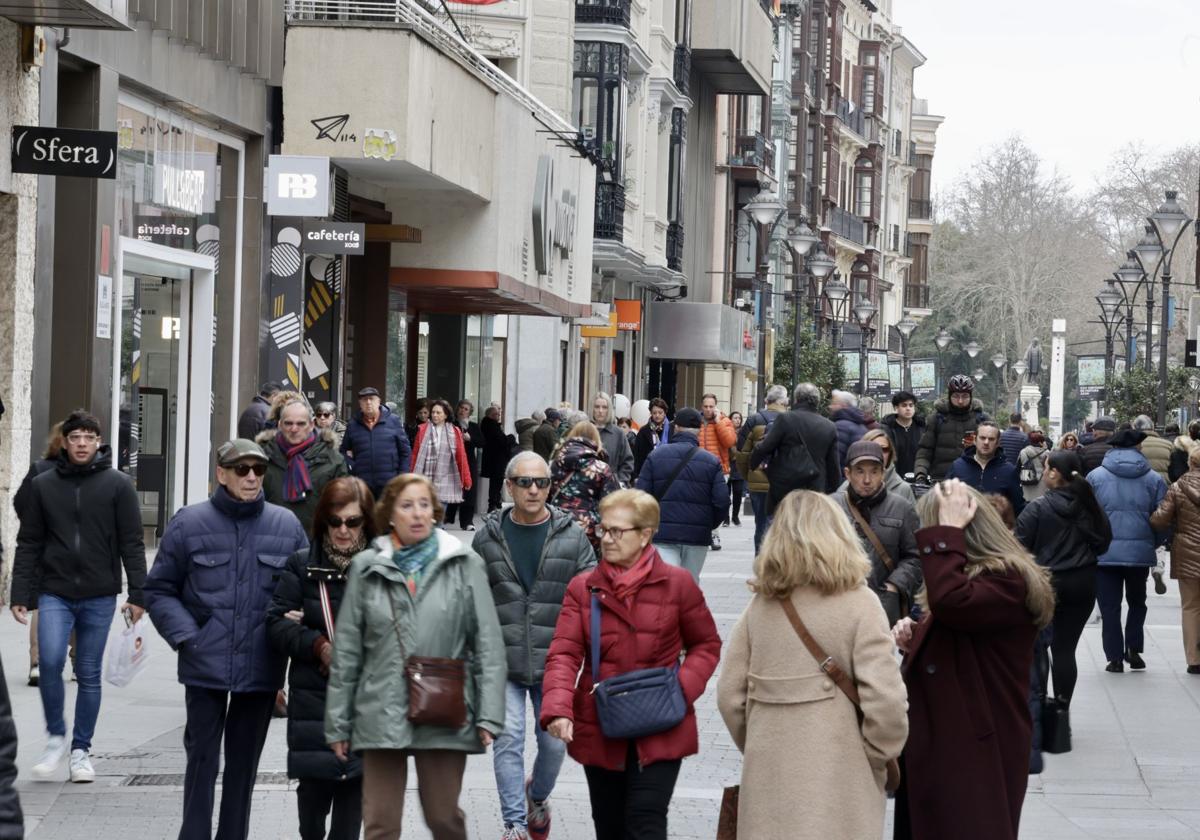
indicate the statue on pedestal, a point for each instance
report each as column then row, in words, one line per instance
column 1033, row 362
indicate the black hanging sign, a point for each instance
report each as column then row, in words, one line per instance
column 64, row 151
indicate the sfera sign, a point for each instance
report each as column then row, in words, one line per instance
column 334, row 238
column 554, row 216
column 64, row 151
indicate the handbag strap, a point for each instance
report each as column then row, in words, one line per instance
column 396, row 626
column 870, row 534
column 658, row 497
column 326, row 608
column 595, row 619
column 827, row 663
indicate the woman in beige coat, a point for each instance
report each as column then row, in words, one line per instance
column 810, row 770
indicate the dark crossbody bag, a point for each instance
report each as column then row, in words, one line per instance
column 436, row 685
column 638, row 703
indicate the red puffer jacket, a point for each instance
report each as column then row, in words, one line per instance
column 668, row 615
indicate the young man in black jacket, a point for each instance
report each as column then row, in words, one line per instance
column 83, row 523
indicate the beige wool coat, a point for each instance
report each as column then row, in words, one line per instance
column 809, row 770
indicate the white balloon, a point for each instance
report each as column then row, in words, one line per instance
column 639, row 412
column 620, row 406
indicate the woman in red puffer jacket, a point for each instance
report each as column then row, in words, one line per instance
column 651, row 613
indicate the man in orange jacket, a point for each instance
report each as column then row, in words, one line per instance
column 718, row 436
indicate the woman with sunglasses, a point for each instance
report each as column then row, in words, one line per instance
column 300, row 625
column 892, row 481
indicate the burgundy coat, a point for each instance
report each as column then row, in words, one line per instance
column 966, row 762
column 668, row 615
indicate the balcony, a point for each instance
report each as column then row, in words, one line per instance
column 89, row 14
column 920, row 208
column 846, row 225
column 615, row 12
column 733, row 44
column 683, row 68
column 916, row 296
column 675, row 246
column 753, row 150
column 849, row 115
column 610, row 210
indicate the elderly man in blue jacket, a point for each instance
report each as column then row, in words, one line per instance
column 1129, row 491
column 984, row 467
column 207, row 594
column 375, row 445
column 692, row 495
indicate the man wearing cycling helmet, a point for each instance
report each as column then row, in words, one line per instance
column 954, row 419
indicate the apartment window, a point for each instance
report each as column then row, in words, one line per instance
column 677, row 160
column 864, row 186
column 600, row 73
column 868, row 91
column 810, row 148
column 683, row 23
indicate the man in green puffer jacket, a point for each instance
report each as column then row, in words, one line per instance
column 953, row 419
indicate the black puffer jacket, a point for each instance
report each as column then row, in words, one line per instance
column 324, row 465
column 25, row 491
column 527, row 619
column 308, row 755
column 1055, row 528
column 1093, row 454
column 942, row 442
column 82, row 523
column 12, row 822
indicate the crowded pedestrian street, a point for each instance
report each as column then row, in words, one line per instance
column 1131, row 773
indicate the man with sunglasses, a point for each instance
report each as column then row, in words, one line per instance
column 81, row 524
column 208, row 594
column 532, row 551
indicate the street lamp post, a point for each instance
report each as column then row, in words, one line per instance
column 1169, row 221
column 942, row 340
column 766, row 211
column 864, row 314
column 837, row 293
column 906, row 327
column 999, row 361
column 1110, row 316
column 801, row 240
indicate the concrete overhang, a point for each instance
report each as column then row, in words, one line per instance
column 700, row 332
column 82, row 14
column 733, row 44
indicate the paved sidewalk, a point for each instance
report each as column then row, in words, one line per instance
column 1135, row 770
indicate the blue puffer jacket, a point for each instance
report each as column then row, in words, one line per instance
column 697, row 501
column 1129, row 491
column 210, row 587
column 379, row 454
column 850, row 427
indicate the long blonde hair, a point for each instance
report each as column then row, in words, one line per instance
column 993, row 549
column 810, row 543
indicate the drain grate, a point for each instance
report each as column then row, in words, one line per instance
column 176, row 779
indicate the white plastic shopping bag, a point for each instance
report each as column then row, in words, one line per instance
column 128, row 656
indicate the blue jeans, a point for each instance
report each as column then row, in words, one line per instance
column 90, row 618
column 508, row 755
column 690, row 557
column 758, row 501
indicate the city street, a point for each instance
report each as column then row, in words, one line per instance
column 1133, row 772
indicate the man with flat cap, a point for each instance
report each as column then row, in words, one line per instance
column 375, row 445
column 207, row 594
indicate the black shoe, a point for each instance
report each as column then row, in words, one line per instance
column 737, row 523
column 1115, row 667
column 1160, row 586
column 1193, row 669
column 1135, row 660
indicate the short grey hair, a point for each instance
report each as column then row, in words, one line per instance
column 776, row 394
column 867, row 405
column 515, row 462
column 844, row 397
column 1143, row 423
column 807, row 395
column 538, row 415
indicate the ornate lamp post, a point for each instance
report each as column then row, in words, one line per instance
column 1169, row 221
column 837, row 293
column 942, row 340
column 1111, row 317
column 766, row 211
column 906, row 327
column 801, row 240
column 864, row 314
column 999, row 360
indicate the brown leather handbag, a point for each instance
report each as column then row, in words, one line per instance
column 727, row 822
column 840, row 678
column 436, row 686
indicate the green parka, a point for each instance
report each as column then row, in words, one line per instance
column 325, row 464
column 452, row 615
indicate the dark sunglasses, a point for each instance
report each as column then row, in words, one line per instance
column 527, row 481
column 324, row 413
column 335, row 522
column 242, row 470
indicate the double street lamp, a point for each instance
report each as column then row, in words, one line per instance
column 1169, row 221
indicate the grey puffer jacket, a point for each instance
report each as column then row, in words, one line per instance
column 527, row 619
column 895, row 522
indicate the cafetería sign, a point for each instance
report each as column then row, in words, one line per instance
column 334, row 238
column 38, row 150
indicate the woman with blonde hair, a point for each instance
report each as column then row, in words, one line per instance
column 580, row 477
column 967, row 666
column 784, row 708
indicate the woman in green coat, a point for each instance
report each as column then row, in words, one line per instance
column 420, row 585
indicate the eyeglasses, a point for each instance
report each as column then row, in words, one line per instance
column 526, row 481
column 243, row 470
column 336, row 522
column 615, row 533
column 82, row 437
column 324, row 413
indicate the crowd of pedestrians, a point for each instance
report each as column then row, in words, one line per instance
column 921, row 584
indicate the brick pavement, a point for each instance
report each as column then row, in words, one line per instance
column 1134, row 771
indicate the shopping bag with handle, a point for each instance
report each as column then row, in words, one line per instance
column 128, row 656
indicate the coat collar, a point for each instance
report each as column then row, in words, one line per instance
column 598, row 582
column 377, row 558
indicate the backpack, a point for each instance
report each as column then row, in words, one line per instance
column 1029, row 474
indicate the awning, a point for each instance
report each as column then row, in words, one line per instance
column 478, row 292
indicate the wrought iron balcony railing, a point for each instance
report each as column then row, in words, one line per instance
column 610, row 210
column 603, row 11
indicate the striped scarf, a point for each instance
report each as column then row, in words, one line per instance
column 296, row 480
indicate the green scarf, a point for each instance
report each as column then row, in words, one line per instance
column 412, row 559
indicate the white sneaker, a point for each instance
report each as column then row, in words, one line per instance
column 52, row 756
column 81, row 767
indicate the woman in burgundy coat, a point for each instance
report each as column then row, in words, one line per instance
column 652, row 615
column 967, row 666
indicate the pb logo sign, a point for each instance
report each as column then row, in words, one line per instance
column 298, row 185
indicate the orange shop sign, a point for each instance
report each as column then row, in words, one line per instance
column 601, row 332
column 629, row 315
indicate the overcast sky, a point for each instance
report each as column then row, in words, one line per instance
column 1063, row 73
